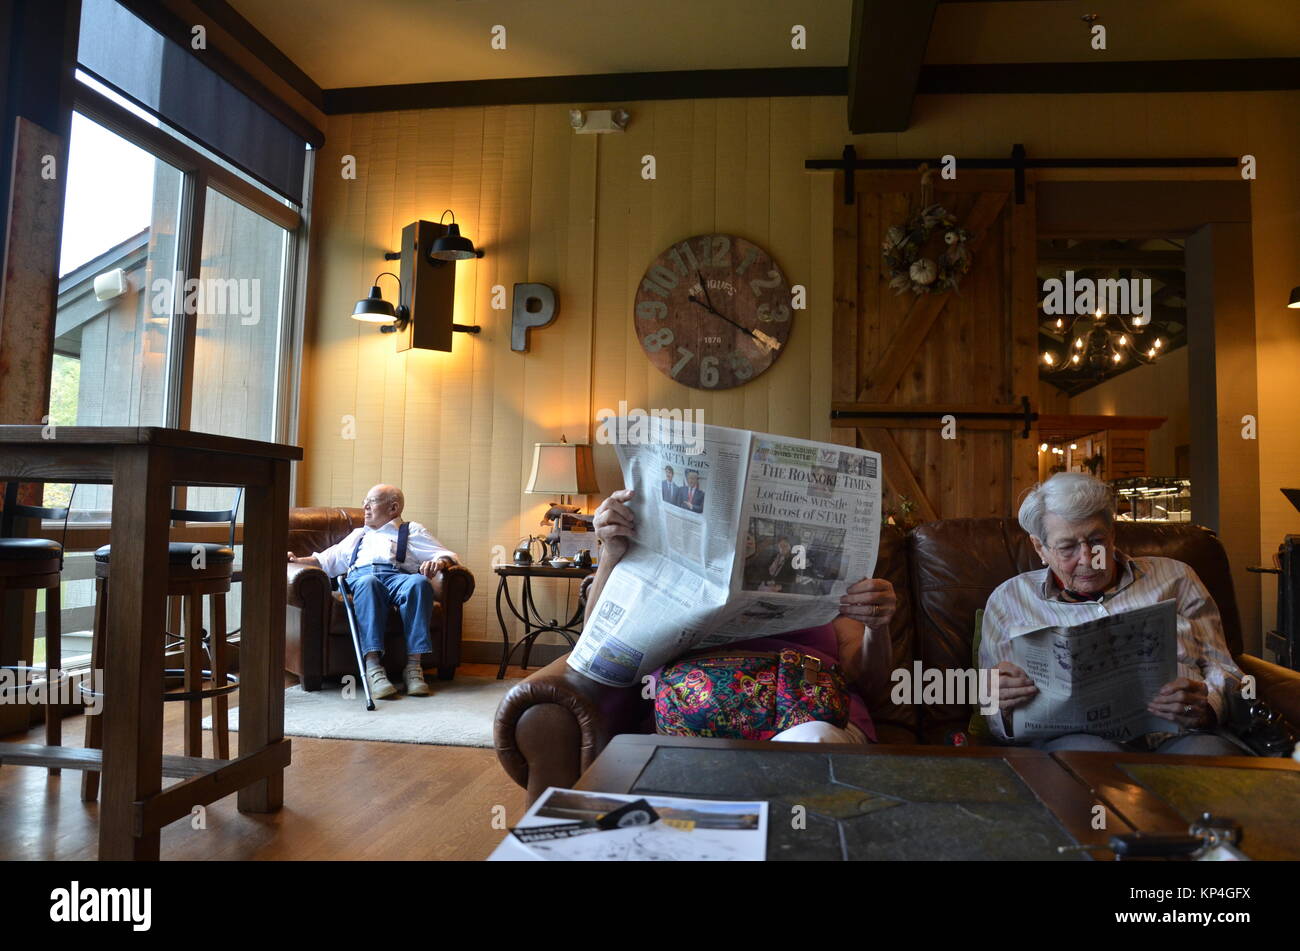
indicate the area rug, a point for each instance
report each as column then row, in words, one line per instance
column 460, row 713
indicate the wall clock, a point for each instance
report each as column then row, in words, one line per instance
column 713, row 311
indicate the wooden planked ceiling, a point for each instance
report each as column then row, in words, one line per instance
column 341, row 43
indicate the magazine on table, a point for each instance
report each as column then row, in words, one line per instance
column 568, row 825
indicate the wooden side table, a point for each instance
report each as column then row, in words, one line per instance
column 142, row 464
column 534, row 624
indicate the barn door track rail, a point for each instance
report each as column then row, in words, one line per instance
column 1018, row 162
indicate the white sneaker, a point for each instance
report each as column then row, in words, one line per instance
column 413, row 674
column 381, row 688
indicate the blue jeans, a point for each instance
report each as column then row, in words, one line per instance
column 1189, row 744
column 375, row 589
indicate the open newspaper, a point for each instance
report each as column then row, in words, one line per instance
column 1099, row 676
column 739, row 535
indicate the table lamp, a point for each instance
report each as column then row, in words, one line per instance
column 564, row 469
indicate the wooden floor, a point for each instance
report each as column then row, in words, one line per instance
column 344, row 799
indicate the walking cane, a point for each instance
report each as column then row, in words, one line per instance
column 356, row 640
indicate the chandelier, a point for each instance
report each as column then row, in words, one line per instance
column 1095, row 344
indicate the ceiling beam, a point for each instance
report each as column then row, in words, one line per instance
column 602, row 87
column 1167, row 75
column 887, row 42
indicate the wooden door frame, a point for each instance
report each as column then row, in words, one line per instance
column 1214, row 217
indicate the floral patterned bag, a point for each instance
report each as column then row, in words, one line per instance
column 748, row 695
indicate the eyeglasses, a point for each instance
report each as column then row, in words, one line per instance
column 372, row 502
column 1070, row 549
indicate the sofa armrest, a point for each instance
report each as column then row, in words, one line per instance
column 307, row 585
column 555, row 722
column 453, row 586
column 1277, row 686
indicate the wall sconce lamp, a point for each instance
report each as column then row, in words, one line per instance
column 375, row 310
column 452, row 246
column 426, row 287
column 1294, row 302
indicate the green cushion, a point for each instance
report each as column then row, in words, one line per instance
column 978, row 728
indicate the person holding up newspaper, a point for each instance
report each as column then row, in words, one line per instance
column 1083, row 596
column 856, row 645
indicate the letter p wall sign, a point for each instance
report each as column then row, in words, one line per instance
column 535, row 305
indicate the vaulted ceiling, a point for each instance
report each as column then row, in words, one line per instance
column 344, row 43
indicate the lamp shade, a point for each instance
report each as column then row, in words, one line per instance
column 1295, row 297
column 562, row 468
column 374, row 309
column 452, row 246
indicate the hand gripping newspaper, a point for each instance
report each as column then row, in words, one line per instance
column 1097, row 677
column 739, row 535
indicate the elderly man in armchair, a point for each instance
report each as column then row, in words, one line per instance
column 1070, row 520
column 388, row 562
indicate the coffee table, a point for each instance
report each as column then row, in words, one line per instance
column 838, row 802
column 1163, row 795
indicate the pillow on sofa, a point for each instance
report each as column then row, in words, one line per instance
column 978, row 728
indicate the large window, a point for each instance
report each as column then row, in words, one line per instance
column 172, row 295
column 175, row 283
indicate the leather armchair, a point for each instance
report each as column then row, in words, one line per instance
column 552, row 725
column 318, row 643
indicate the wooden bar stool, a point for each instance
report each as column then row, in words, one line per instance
column 28, row 564
column 195, row 570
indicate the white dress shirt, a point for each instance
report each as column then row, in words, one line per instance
column 380, row 545
column 1029, row 602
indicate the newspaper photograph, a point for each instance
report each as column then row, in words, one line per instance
column 739, row 535
column 1099, row 676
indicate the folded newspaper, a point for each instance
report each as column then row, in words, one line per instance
column 739, row 535
column 1099, row 676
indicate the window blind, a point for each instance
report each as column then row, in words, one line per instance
column 174, row 84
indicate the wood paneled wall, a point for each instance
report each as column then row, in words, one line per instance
column 456, row 429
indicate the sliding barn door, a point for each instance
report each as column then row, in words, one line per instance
column 903, row 362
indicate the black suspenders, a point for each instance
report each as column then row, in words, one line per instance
column 403, row 533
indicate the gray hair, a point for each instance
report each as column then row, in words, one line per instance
column 1073, row 496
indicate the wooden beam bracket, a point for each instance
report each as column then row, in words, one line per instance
column 850, row 165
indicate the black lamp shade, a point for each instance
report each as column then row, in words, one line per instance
column 374, row 309
column 1295, row 298
column 451, row 246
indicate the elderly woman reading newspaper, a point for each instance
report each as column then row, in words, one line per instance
column 1070, row 519
column 808, row 686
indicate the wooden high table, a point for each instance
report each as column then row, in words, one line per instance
column 143, row 463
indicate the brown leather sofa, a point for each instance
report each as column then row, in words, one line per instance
column 552, row 725
column 318, row 643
